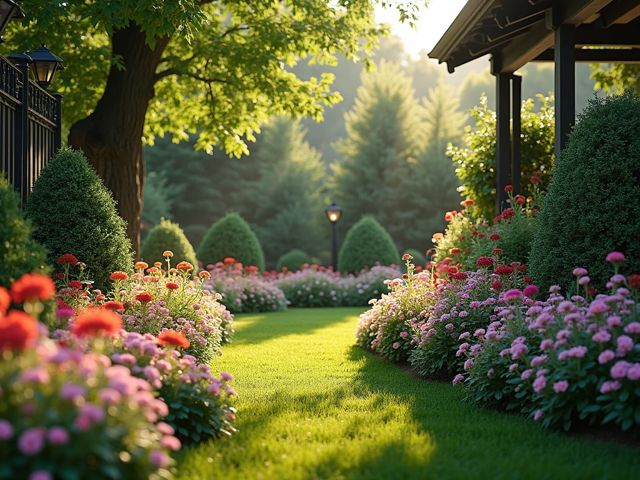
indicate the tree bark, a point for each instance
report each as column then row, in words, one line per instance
column 111, row 136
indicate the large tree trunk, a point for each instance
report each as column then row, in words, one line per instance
column 111, row 137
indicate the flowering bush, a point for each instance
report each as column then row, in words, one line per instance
column 357, row 290
column 241, row 290
column 564, row 360
column 386, row 327
column 311, row 287
column 155, row 299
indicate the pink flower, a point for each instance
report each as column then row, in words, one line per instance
column 531, row 291
column 602, row 336
column 468, row 364
column 610, row 386
column 634, row 372
column 561, row 386
column 395, row 345
column 31, row 442
column 159, row 459
column 57, row 436
column 109, row 396
column 539, row 383
column 633, row 327
column 518, row 351
column 615, row 257
column 579, row 272
column 6, row 430
column 624, row 344
column 214, row 388
column 526, row 375
column 619, row 369
column 538, row 360
column 546, row 344
column 583, row 280
column 459, row 378
column 537, row 415
column 40, row 475
column 598, row 306
column 170, row 442
column 512, row 295
column 606, row 356
column 71, row 391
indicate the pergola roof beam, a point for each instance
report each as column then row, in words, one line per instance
column 620, row 11
column 616, row 35
column 597, row 55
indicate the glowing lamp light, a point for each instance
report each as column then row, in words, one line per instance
column 333, row 212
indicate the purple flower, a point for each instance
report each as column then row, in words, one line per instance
column 606, row 356
column 160, row 459
column 31, row 442
column 526, row 375
column 615, row 257
column 57, row 436
column 579, row 272
column 602, row 336
column 40, row 475
column 610, row 386
column 561, row 386
column 633, row 373
column 539, row 383
column 619, row 369
column 624, row 344
column 598, row 306
column 6, row 430
column 468, row 364
column 583, row 280
column 459, row 378
column 538, row 414
column 512, row 295
column 226, row 376
column 71, row 391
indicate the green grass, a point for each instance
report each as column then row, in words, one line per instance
column 311, row 406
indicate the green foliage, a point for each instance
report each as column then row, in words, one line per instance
column 616, row 78
column 167, row 235
column 593, row 203
column 19, row 253
column 73, row 212
column 293, row 260
column 366, row 244
column 158, row 197
column 231, row 236
column 476, row 159
column 419, row 258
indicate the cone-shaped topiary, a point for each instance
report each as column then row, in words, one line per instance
column 232, row 237
column 167, row 235
column 366, row 244
column 73, row 212
column 293, row 260
column 419, row 258
column 593, row 203
column 19, row 253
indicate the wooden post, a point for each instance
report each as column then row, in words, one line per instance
column 565, row 81
column 516, row 130
column 503, row 147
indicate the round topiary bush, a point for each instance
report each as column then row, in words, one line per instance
column 593, row 203
column 419, row 258
column 19, row 253
column 293, row 260
column 167, row 235
column 366, row 244
column 231, row 236
column 73, row 212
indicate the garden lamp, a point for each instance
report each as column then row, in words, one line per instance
column 334, row 212
column 8, row 10
column 45, row 65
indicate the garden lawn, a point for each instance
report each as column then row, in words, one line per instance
column 312, row 405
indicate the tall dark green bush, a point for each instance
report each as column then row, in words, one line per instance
column 593, row 203
column 366, row 244
column 419, row 258
column 293, row 260
column 73, row 212
column 231, row 236
column 19, row 252
column 167, row 235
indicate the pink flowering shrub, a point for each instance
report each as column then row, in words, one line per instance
column 358, row 289
column 311, row 287
column 199, row 402
column 386, row 327
column 69, row 414
column 564, row 360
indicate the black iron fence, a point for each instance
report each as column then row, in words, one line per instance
column 30, row 126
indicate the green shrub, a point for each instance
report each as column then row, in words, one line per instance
column 231, row 236
column 419, row 258
column 366, row 244
column 19, row 253
column 293, row 260
column 167, row 235
column 73, row 212
column 593, row 203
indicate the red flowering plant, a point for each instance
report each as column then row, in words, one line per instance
column 69, row 413
column 563, row 360
column 160, row 297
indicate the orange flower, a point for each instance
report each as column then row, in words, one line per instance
column 116, row 276
column 184, row 266
column 96, row 321
column 67, row 259
column 5, row 300
column 158, row 265
column 144, row 297
column 454, row 251
column 113, row 306
column 229, row 260
column 141, row 265
column 153, row 270
column 467, row 203
column 18, row 331
column 167, row 254
column 172, row 285
column 437, row 237
column 171, row 337
column 32, row 286
column 204, row 274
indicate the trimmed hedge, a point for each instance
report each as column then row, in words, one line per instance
column 167, row 235
column 73, row 212
column 367, row 243
column 19, row 252
column 231, row 236
column 293, row 260
column 593, row 203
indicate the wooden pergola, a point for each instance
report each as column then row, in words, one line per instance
column 516, row 32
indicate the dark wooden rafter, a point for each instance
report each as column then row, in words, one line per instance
column 503, row 138
column 565, row 84
column 516, row 131
column 597, row 55
column 619, row 11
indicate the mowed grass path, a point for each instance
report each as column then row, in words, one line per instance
column 312, row 406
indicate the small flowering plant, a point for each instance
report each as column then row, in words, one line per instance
column 312, row 287
column 565, row 360
column 358, row 289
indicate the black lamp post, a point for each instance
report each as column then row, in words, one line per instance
column 8, row 10
column 334, row 212
column 45, row 65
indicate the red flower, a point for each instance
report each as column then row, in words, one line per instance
column 467, row 203
column 75, row 284
column 141, row 265
column 18, row 331
column 32, row 286
column 508, row 188
column 229, row 260
column 484, row 262
column 254, row 269
column 171, row 337
column 531, row 291
column 184, row 266
column 535, row 179
column 116, row 276
column 5, row 300
column 504, row 270
column 481, row 235
column 204, row 274
column 144, row 297
column 172, row 285
column 459, row 276
column 406, row 257
column 113, row 306
column 454, row 251
column 418, row 268
column 508, row 213
column 60, row 276
column 96, row 321
column 634, row 281
column 497, row 251
column 67, row 259
column 496, row 285
column 452, row 270
column 474, row 232
column 528, row 279
column 494, row 237
column 520, row 200
column 449, row 216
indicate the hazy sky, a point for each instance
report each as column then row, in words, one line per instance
column 434, row 20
